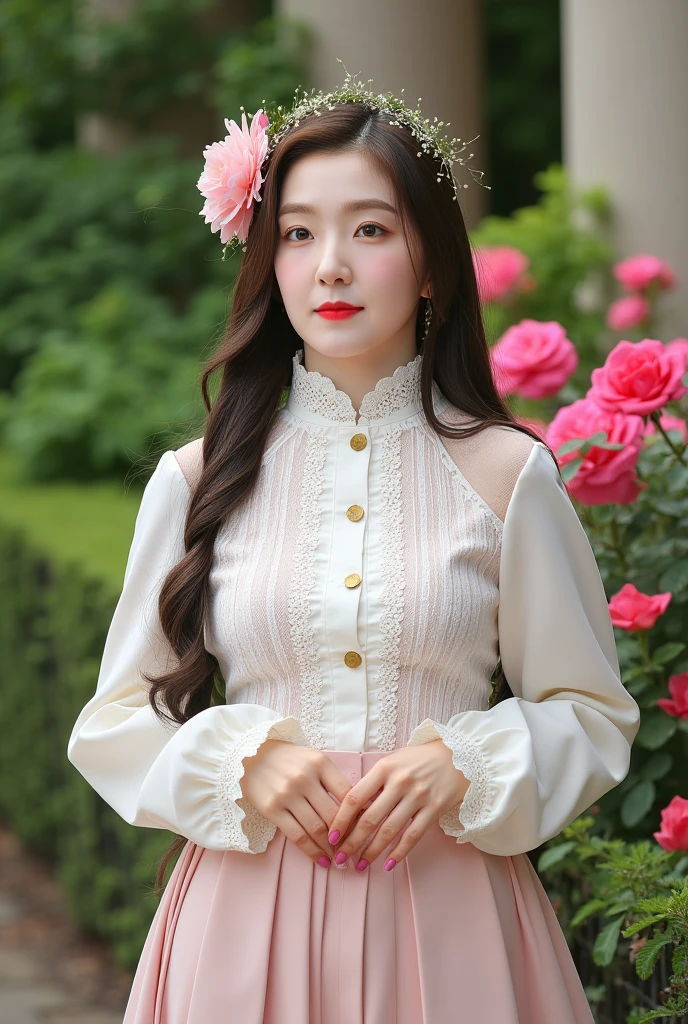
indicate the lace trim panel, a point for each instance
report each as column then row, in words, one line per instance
column 394, row 582
column 467, row 755
column 318, row 393
column 302, row 582
column 243, row 827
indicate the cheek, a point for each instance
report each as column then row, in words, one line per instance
column 390, row 271
column 290, row 274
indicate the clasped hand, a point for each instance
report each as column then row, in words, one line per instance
column 298, row 788
column 418, row 783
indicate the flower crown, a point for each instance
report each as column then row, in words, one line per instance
column 231, row 179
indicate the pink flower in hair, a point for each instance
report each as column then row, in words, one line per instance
column 231, row 179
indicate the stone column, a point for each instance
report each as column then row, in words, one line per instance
column 432, row 50
column 625, row 91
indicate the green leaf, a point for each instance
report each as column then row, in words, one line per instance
column 667, row 652
column 569, row 470
column 648, row 955
column 604, row 950
column 637, row 803
column 594, row 441
column 639, row 926
column 637, row 686
column 587, row 910
column 570, row 446
column 675, row 577
column 655, row 729
column 554, row 854
column 657, row 766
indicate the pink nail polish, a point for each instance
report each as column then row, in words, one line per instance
column 324, row 861
column 389, row 864
column 362, row 864
column 341, row 858
column 334, row 836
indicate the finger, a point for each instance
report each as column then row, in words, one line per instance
column 309, row 818
column 299, row 835
column 412, row 835
column 389, row 832
column 374, row 817
column 360, row 795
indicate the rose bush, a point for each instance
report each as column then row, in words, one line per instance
column 621, row 440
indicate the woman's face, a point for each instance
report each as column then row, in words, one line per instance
column 341, row 239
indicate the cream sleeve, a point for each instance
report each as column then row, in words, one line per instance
column 539, row 759
column 182, row 778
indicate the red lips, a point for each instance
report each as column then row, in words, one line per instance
column 337, row 310
column 336, row 305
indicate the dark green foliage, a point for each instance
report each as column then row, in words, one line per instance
column 53, row 623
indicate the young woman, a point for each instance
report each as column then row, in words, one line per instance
column 355, row 563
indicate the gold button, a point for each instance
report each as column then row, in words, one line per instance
column 358, row 442
column 352, row 580
column 353, row 659
column 354, row 513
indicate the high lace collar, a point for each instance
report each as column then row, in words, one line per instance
column 315, row 398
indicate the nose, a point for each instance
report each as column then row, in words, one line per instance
column 333, row 265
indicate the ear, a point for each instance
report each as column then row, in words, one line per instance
column 426, row 293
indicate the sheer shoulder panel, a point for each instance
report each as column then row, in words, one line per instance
column 490, row 461
column 190, row 459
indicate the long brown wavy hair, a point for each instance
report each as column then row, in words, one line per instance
column 255, row 360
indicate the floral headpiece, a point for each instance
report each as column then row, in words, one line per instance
column 231, row 180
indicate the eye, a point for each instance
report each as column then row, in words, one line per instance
column 296, row 229
column 373, row 226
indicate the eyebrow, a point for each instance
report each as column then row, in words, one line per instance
column 351, row 207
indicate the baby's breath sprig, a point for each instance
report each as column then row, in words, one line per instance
column 429, row 133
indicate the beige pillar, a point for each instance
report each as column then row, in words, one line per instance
column 432, row 50
column 625, row 97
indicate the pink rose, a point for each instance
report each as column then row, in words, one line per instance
column 605, row 475
column 668, row 423
column 632, row 610
column 499, row 270
column 627, row 312
column 679, row 345
column 638, row 377
column 673, row 834
column 533, row 358
column 231, row 179
column 678, row 688
column 639, row 272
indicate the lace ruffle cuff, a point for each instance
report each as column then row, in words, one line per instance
column 472, row 816
column 243, row 827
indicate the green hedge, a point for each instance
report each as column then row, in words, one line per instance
column 54, row 616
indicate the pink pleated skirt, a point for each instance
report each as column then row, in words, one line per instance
column 451, row 934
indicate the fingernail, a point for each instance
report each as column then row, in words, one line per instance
column 325, row 861
column 389, row 864
column 341, row 857
column 362, row 864
column 334, row 836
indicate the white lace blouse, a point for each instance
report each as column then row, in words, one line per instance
column 360, row 600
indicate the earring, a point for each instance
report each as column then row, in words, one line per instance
column 428, row 318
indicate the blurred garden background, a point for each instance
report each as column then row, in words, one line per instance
column 113, row 293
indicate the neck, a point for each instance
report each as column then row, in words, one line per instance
column 358, row 374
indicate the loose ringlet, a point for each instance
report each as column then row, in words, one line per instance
column 232, row 179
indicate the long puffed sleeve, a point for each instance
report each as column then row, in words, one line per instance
column 539, row 759
column 182, row 778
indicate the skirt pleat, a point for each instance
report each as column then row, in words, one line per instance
column 451, row 934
